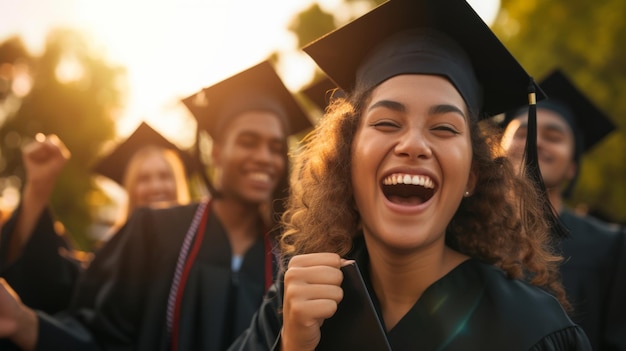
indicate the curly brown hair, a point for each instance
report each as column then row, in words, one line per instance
column 502, row 223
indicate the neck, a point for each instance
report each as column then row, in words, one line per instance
column 554, row 195
column 241, row 222
column 400, row 279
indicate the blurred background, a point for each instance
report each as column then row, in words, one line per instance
column 91, row 71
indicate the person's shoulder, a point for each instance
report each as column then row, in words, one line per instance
column 589, row 225
column 504, row 289
column 167, row 213
column 520, row 301
column 519, row 315
column 157, row 224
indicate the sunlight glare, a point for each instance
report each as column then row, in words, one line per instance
column 173, row 48
column 69, row 70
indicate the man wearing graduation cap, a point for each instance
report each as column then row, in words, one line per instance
column 190, row 277
column 406, row 186
column 568, row 125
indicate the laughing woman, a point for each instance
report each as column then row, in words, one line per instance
column 399, row 178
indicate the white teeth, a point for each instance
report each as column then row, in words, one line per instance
column 407, row 179
column 415, row 180
column 420, row 180
column 263, row 177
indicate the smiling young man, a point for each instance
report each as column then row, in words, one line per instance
column 188, row 277
column 568, row 124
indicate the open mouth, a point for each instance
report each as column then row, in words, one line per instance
column 260, row 177
column 407, row 189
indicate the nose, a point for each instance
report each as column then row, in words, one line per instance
column 540, row 141
column 413, row 144
column 263, row 153
column 153, row 185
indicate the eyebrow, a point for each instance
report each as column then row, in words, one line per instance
column 435, row 110
column 253, row 134
column 392, row 105
column 446, row 108
column 549, row 126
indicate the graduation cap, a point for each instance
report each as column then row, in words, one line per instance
column 114, row 164
column 587, row 122
column 256, row 88
column 444, row 37
column 438, row 37
column 322, row 92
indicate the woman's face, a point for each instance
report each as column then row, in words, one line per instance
column 251, row 157
column 411, row 161
column 155, row 181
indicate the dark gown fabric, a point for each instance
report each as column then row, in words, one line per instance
column 474, row 307
column 121, row 300
column 594, row 277
column 44, row 275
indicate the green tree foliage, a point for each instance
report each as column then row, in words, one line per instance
column 311, row 24
column 314, row 21
column 74, row 95
column 585, row 39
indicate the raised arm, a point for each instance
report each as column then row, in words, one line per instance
column 44, row 158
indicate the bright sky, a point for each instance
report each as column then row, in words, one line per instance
column 173, row 48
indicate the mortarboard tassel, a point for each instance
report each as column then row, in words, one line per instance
column 531, row 166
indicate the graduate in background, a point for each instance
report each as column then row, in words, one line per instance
column 151, row 169
column 400, row 179
column 189, row 277
column 594, row 267
column 35, row 256
column 154, row 173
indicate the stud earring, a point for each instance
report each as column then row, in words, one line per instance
column 467, row 194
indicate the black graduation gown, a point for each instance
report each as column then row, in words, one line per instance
column 474, row 307
column 594, row 277
column 42, row 275
column 127, row 310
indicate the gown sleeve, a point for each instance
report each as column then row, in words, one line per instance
column 264, row 330
column 43, row 265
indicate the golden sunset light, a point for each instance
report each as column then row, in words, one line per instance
column 171, row 49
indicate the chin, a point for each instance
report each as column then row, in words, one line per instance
column 407, row 240
column 256, row 199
